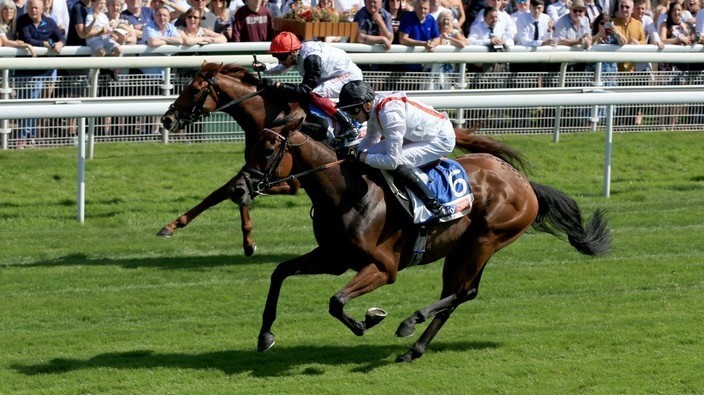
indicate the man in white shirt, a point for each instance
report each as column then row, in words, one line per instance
column 558, row 9
column 535, row 27
column 504, row 17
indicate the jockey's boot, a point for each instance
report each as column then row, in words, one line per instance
column 421, row 188
column 348, row 132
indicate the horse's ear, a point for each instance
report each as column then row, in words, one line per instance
column 296, row 124
column 205, row 62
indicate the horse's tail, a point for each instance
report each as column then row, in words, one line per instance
column 559, row 213
column 466, row 140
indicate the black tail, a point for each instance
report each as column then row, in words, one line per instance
column 559, row 213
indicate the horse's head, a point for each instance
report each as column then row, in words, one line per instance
column 197, row 99
column 268, row 162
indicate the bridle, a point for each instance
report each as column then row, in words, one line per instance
column 267, row 178
column 195, row 113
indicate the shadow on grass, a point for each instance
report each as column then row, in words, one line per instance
column 276, row 362
column 167, row 263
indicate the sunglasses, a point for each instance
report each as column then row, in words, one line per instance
column 578, row 10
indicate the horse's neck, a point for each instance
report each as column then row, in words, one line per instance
column 311, row 154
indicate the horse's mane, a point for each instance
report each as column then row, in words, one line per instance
column 231, row 70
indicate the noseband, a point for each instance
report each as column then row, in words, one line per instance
column 195, row 113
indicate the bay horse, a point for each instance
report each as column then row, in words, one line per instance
column 359, row 225
column 237, row 92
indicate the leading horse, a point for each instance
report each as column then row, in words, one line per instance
column 235, row 91
column 359, row 225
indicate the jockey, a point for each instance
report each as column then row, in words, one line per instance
column 402, row 134
column 324, row 68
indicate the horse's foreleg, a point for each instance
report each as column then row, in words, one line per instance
column 248, row 244
column 314, row 262
column 366, row 280
column 211, row 200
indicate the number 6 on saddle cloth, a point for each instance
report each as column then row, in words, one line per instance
column 448, row 182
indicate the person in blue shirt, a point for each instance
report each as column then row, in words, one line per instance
column 419, row 29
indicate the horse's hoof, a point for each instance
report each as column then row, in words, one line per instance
column 164, row 232
column 408, row 357
column 266, row 341
column 249, row 249
column 374, row 316
column 405, row 329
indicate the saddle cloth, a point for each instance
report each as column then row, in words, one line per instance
column 448, row 181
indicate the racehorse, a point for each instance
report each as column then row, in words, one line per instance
column 359, row 225
column 237, row 92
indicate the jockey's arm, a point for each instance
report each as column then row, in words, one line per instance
column 311, row 76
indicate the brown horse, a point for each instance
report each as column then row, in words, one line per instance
column 235, row 91
column 240, row 94
column 359, row 225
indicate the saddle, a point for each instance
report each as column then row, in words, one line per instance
column 448, row 181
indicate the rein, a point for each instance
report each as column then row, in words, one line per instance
column 267, row 181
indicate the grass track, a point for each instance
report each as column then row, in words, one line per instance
column 107, row 307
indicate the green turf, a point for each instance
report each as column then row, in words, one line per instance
column 106, row 307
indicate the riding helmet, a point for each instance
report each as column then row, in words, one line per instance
column 284, row 42
column 355, row 93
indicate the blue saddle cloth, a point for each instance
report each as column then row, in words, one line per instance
column 448, row 181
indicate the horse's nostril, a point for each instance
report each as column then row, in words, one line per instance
column 166, row 121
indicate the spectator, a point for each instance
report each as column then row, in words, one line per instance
column 606, row 6
column 374, row 24
column 535, row 27
column 176, row 9
column 640, row 12
column 521, row 8
column 686, row 15
column 37, row 30
column 630, row 28
column 396, row 10
column 402, row 135
column 98, row 29
column 634, row 34
column 324, row 68
column 8, row 35
column 573, row 28
column 20, row 7
column 77, row 22
column 678, row 32
column 139, row 16
column 160, row 32
column 449, row 35
column 419, row 29
column 121, row 30
column 457, row 9
column 436, row 9
column 604, row 33
column 558, row 9
column 208, row 18
column 699, row 27
column 193, row 33
column 592, row 13
column 224, row 19
column 504, row 17
column 253, row 23
column 492, row 33
column 58, row 11
column 347, row 8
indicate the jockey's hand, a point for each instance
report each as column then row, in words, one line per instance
column 270, row 83
column 258, row 66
